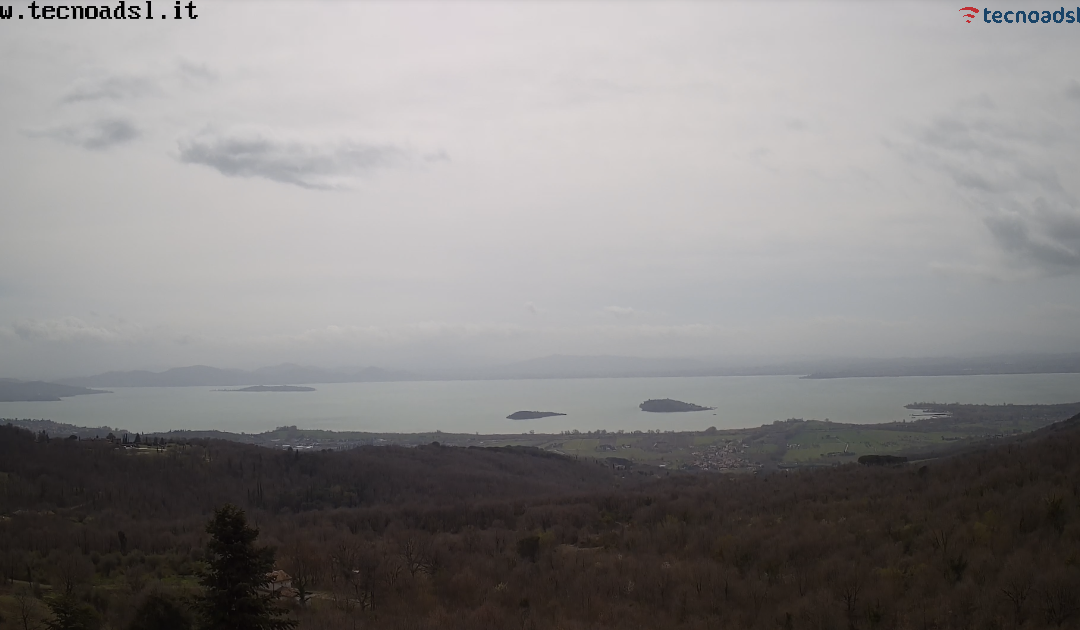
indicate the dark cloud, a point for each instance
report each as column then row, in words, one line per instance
column 110, row 88
column 981, row 134
column 95, row 136
column 1009, row 170
column 966, row 178
column 303, row 164
column 1047, row 236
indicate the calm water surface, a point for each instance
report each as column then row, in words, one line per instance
column 482, row 406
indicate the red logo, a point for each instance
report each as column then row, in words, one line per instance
column 969, row 15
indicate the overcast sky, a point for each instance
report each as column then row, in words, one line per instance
column 408, row 184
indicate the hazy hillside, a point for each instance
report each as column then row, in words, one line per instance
column 196, row 375
column 19, row 391
column 571, row 366
column 565, row 366
column 945, row 366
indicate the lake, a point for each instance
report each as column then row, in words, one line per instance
column 482, row 406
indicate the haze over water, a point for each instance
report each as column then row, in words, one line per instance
column 590, row 404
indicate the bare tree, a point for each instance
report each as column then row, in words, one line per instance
column 418, row 553
column 1017, row 587
column 70, row 570
column 26, row 610
column 304, row 566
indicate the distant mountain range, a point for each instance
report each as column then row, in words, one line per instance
column 202, row 375
column 568, row 366
column 1011, row 364
column 562, row 366
column 12, row 390
column 607, row 366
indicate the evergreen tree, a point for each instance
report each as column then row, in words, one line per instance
column 71, row 614
column 236, row 581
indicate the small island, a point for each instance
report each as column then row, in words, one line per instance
column 667, row 405
column 270, row 388
column 532, row 415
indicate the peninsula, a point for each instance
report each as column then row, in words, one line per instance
column 12, row 390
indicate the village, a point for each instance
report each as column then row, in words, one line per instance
column 728, row 455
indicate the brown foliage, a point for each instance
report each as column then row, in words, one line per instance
column 439, row 537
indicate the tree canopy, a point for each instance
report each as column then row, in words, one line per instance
column 236, row 581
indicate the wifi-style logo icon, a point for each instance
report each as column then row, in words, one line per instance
column 970, row 15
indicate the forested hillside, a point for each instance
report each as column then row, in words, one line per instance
column 439, row 537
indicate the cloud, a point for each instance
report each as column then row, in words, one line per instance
column 437, row 156
column 110, row 88
column 619, row 311
column 1008, row 168
column 110, row 329
column 1047, row 235
column 197, row 72
column 422, row 332
column 986, row 273
column 68, row 329
column 95, row 136
column 529, row 306
column 1073, row 90
column 308, row 165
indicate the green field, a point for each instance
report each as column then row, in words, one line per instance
column 782, row 443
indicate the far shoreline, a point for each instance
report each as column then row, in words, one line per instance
column 942, row 428
column 269, row 388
